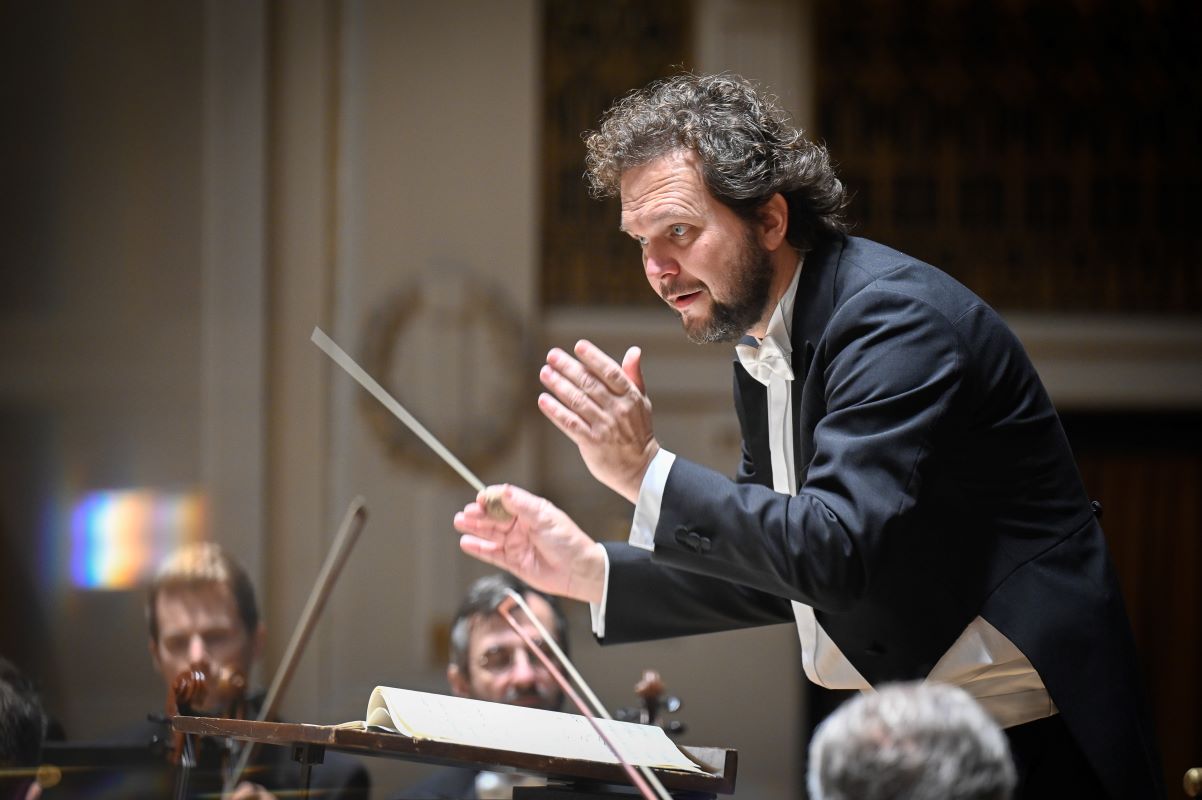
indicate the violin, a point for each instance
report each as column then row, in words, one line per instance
column 189, row 692
column 192, row 687
column 650, row 690
column 188, row 695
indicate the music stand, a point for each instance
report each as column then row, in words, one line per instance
column 567, row 778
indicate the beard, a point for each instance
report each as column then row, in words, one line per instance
column 549, row 698
column 730, row 319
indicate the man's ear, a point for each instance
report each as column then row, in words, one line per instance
column 458, row 681
column 774, row 222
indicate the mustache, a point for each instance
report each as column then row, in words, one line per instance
column 674, row 288
column 548, row 696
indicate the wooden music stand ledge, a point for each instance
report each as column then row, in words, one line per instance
column 567, row 778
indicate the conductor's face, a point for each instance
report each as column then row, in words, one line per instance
column 200, row 624
column 704, row 260
column 500, row 668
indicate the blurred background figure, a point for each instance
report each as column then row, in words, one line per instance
column 911, row 741
column 202, row 614
column 201, row 610
column 489, row 661
column 22, row 727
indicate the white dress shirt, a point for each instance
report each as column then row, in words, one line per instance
column 981, row 661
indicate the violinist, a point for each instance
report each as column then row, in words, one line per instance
column 489, row 661
column 201, row 610
column 203, row 617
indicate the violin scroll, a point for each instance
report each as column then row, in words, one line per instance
column 195, row 685
column 192, row 689
column 655, row 705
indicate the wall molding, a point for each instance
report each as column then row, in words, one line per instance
column 1087, row 361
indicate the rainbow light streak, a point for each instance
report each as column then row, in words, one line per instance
column 117, row 537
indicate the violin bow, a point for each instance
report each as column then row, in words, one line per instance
column 348, row 533
column 646, row 782
column 641, row 776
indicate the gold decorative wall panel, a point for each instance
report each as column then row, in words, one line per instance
column 1045, row 152
column 593, row 54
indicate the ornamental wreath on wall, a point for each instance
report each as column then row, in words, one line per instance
column 450, row 348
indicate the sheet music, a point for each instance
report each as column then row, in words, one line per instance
column 459, row 720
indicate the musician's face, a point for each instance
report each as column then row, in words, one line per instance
column 499, row 667
column 201, row 625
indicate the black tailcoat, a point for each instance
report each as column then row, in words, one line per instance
column 935, row 485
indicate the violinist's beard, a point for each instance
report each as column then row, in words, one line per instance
column 549, row 698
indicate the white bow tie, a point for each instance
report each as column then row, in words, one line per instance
column 765, row 361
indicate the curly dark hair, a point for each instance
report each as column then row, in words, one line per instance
column 748, row 148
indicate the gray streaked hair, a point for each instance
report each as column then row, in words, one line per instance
column 482, row 600
column 748, row 148
column 910, row 741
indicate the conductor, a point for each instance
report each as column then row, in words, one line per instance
column 906, row 494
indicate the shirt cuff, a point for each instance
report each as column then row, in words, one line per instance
column 598, row 610
column 651, row 497
column 642, row 529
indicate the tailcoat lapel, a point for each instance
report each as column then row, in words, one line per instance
column 813, row 306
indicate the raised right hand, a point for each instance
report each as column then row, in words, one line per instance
column 541, row 545
column 603, row 407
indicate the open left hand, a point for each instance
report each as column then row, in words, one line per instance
column 602, row 407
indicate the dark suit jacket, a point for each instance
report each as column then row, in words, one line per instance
column 935, row 485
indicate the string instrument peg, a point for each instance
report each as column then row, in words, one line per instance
column 650, row 689
column 193, row 686
column 655, row 704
